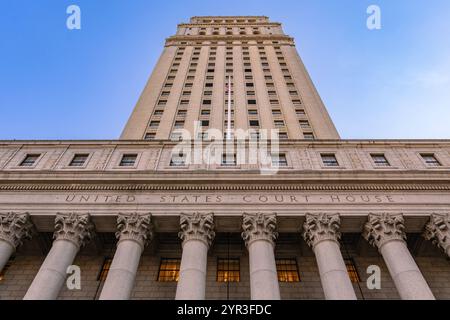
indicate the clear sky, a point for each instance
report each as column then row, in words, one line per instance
column 82, row 84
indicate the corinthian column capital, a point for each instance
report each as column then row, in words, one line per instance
column 259, row 226
column 320, row 227
column 74, row 227
column 135, row 227
column 15, row 227
column 384, row 227
column 438, row 231
column 197, row 226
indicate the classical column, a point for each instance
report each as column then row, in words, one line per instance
column 14, row 228
column 72, row 231
column 259, row 235
column 134, row 233
column 386, row 232
column 321, row 233
column 438, row 231
column 197, row 233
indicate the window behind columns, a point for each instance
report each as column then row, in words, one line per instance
column 169, row 269
column 105, row 269
column 228, row 270
column 6, row 267
column 287, row 270
column 352, row 271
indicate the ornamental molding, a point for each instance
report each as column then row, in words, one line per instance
column 197, row 226
column 74, row 227
column 258, row 187
column 437, row 230
column 383, row 228
column 321, row 227
column 135, row 227
column 15, row 227
column 259, row 226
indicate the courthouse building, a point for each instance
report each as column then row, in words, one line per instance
column 144, row 222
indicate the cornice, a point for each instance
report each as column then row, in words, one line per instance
column 237, row 187
column 235, row 24
column 261, row 37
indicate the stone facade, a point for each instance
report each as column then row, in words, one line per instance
column 120, row 210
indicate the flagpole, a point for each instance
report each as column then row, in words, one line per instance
column 229, row 109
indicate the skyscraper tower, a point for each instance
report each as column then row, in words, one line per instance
column 270, row 87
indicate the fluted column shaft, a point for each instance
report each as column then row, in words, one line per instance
column 71, row 232
column 197, row 233
column 14, row 228
column 321, row 232
column 386, row 232
column 259, row 235
column 134, row 233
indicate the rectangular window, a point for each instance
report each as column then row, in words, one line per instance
column 228, row 159
column 207, row 102
column 205, row 123
column 279, row 160
column 228, row 270
column 308, row 136
column 300, row 112
column 304, row 124
column 430, row 159
column 276, row 112
column 5, row 268
column 154, row 124
column 208, row 85
column 329, row 160
column 128, row 160
column 251, row 101
column 254, row 123
column 169, row 270
column 279, row 123
column 30, row 160
column 179, row 124
column 158, row 112
column 205, row 112
column 150, row 136
column 380, row 160
column 182, row 112
column 252, row 112
column 282, row 135
column 105, row 269
column 78, row 160
column 178, row 160
column 351, row 269
column 287, row 270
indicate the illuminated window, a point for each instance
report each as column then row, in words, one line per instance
column 104, row 270
column 351, row 269
column 5, row 268
column 228, row 270
column 287, row 270
column 169, row 270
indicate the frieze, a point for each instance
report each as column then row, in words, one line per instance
column 210, row 198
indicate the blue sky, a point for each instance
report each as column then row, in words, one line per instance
column 83, row 84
